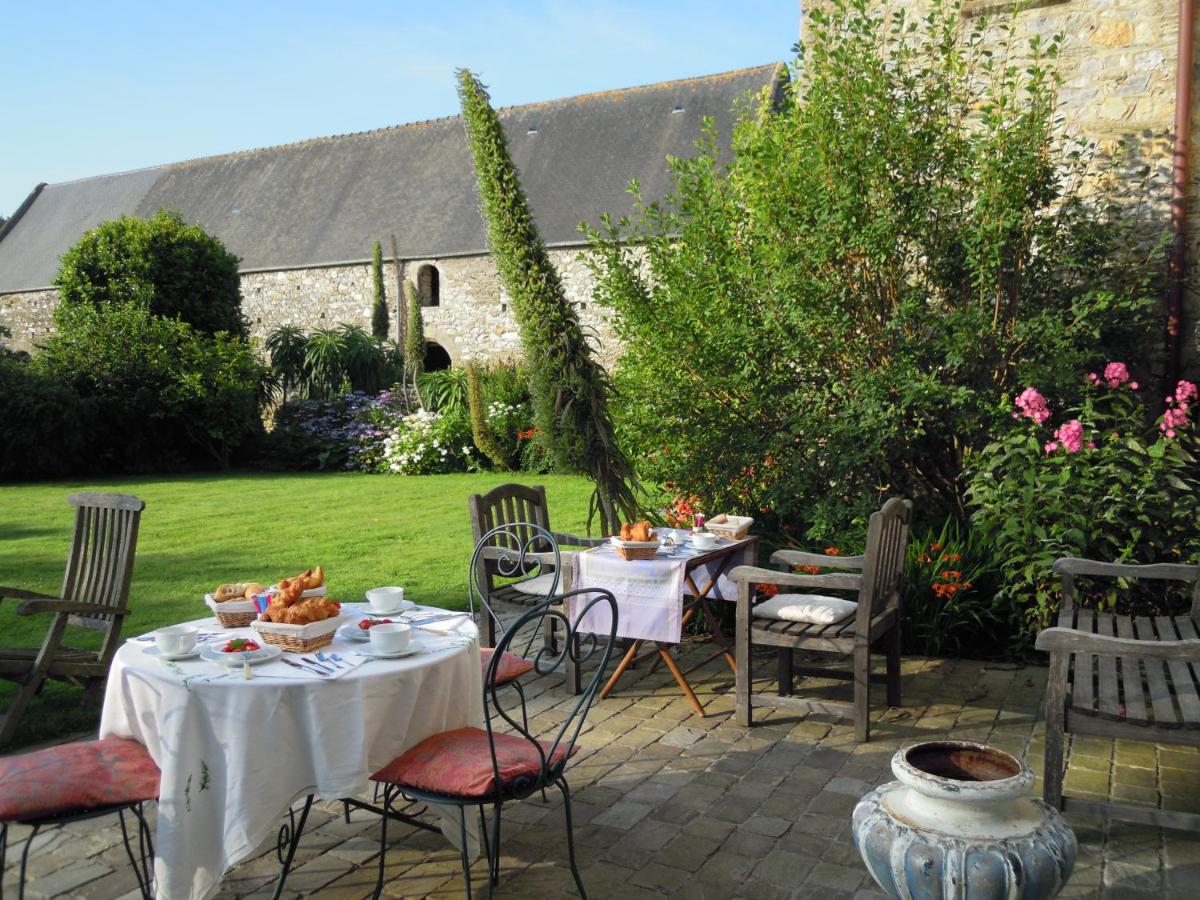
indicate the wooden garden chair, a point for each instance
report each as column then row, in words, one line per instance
column 874, row 620
column 94, row 595
column 1130, row 678
column 509, row 510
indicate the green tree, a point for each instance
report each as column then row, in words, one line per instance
column 171, row 268
column 570, row 389
column 414, row 338
column 379, row 308
column 835, row 314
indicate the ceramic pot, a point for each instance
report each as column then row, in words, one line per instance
column 960, row 825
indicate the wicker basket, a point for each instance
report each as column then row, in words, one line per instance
column 635, row 549
column 298, row 638
column 732, row 527
column 232, row 613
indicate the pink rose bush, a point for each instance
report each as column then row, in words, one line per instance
column 1103, row 478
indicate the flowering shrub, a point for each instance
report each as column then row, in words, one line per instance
column 427, row 443
column 1113, row 484
column 347, row 432
column 509, row 424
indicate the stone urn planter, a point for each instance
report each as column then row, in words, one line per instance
column 960, row 824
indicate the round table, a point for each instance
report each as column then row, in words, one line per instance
column 236, row 754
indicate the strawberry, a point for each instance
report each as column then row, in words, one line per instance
column 240, row 645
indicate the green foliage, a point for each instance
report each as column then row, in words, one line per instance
column 952, row 605
column 379, row 307
column 163, row 394
column 445, row 391
column 163, row 264
column 45, row 429
column 429, row 443
column 481, row 431
column 1129, row 494
column 832, row 317
column 330, row 361
column 570, row 389
column 414, row 334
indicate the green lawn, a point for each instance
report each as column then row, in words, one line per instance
column 198, row 531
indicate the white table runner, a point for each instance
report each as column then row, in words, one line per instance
column 236, row 754
column 649, row 592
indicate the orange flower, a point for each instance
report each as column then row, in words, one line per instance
column 925, row 559
column 832, row 551
column 809, row 570
column 951, row 575
column 953, row 557
column 768, row 590
column 935, row 548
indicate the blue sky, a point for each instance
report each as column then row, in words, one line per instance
column 94, row 87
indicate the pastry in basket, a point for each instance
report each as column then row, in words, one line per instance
column 307, row 580
column 315, row 609
column 237, row 591
column 638, row 531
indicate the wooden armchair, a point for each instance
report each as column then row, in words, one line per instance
column 875, row 619
column 94, row 595
column 1131, row 678
column 509, row 510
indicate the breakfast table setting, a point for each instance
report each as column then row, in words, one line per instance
column 244, row 721
column 662, row 579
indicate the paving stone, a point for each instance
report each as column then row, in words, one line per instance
column 783, row 869
column 62, row 881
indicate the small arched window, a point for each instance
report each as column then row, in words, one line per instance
column 429, row 286
column 436, row 357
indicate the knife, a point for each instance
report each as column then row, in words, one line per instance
column 296, row 665
column 317, row 665
column 439, row 618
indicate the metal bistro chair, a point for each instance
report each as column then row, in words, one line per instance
column 76, row 781
column 94, row 592
column 526, row 553
column 520, row 508
column 487, row 767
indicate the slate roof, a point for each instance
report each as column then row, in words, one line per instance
column 325, row 200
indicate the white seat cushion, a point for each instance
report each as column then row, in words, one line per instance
column 539, row 584
column 812, row 609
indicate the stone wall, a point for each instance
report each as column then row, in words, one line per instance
column 29, row 317
column 473, row 319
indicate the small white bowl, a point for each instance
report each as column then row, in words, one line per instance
column 176, row 640
column 704, row 540
column 391, row 637
column 385, row 599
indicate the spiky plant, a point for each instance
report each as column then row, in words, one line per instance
column 379, row 308
column 285, row 347
column 480, row 430
column 570, row 389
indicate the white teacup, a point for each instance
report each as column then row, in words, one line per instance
column 704, row 540
column 385, row 599
column 390, row 637
column 176, row 640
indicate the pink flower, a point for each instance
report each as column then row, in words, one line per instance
column 1116, row 374
column 1185, row 390
column 1091, row 445
column 1070, row 436
column 1133, row 385
column 1093, row 378
column 1050, row 446
column 1033, row 405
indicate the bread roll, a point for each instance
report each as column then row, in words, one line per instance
column 229, row 592
column 253, row 589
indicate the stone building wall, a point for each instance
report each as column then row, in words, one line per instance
column 29, row 317
column 473, row 320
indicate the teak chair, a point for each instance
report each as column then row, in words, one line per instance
column 94, row 593
column 876, row 619
column 1134, row 678
column 512, row 513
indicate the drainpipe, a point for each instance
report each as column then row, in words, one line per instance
column 1180, row 173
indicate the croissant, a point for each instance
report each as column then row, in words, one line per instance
column 641, row 532
column 626, row 530
column 314, row 578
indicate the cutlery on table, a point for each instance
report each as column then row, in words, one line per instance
column 330, row 659
column 296, row 665
column 429, row 620
column 325, row 667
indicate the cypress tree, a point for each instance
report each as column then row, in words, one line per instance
column 379, row 309
column 414, row 338
column 570, row 389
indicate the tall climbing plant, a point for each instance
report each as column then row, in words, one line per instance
column 570, row 389
column 414, row 338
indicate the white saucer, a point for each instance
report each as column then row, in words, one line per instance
column 152, row 650
column 264, row 653
column 404, row 605
column 352, row 632
column 371, row 653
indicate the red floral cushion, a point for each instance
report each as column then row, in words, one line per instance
column 511, row 666
column 459, row 763
column 75, row 778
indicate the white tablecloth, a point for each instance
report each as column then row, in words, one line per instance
column 649, row 592
column 235, row 754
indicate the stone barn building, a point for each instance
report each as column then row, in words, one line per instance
column 303, row 217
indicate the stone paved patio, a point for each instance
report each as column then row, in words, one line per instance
column 668, row 804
